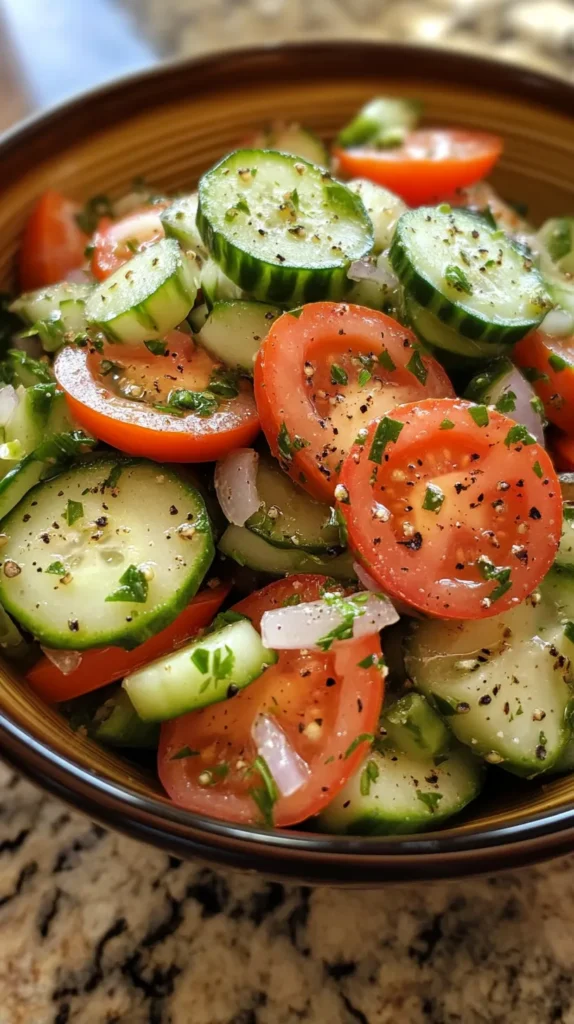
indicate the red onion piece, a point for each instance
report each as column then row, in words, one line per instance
column 289, row 771
column 523, row 412
column 66, row 661
column 236, row 485
column 302, row 626
column 378, row 273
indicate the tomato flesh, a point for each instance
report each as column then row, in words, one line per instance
column 116, row 242
column 548, row 362
column 53, row 244
column 322, row 701
column 457, row 519
column 117, row 405
column 432, row 163
column 323, row 376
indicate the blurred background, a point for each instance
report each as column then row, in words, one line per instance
column 52, row 48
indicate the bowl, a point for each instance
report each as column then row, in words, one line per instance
column 170, row 124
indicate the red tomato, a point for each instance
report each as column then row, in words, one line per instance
column 431, row 163
column 115, row 242
column 562, row 447
column 460, row 520
column 109, row 663
column 323, row 703
column 323, row 376
column 549, row 363
column 97, row 398
column 53, row 244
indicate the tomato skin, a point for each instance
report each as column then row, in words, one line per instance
column 431, row 164
column 104, row 665
column 288, row 399
column 511, row 515
column 555, row 385
column 351, row 708
column 141, row 226
column 138, row 429
column 562, row 447
column 53, row 244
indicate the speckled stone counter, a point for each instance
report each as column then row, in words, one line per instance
column 96, row 928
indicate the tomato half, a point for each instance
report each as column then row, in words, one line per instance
column 326, row 374
column 452, row 509
column 548, row 362
column 116, row 241
column 103, row 666
column 112, row 394
column 431, row 163
column 322, row 702
column 562, row 448
column 53, row 244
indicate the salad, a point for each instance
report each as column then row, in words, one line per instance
column 279, row 495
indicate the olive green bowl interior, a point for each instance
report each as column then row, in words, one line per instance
column 169, row 125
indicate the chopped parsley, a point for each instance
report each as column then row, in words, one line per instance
column 287, row 446
column 349, row 608
column 364, row 737
column 372, row 661
column 267, row 795
column 430, row 800
column 224, row 383
column 501, row 574
column 386, row 361
column 157, row 348
column 434, row 497
column 446, row 424
column 216, row 664
column 506, row 402
column 184, row 752
column 74, row 511
column 456, row 277
column 557, row 362
column 416, row 366
column 204, row 403
column 292, row 600
column 479, row 414
column 338, row 374
column 569, row 631
column 387, row 430
column 538, row 470
column 519, row 435
column 133, row 587
column 56, row 569
column 364, row 378
column 369, row 774
column 114, row 476
column 532, row 374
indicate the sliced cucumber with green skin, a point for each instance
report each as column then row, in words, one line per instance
column 413, row 727
column 295, row 140
column 565, row 554
column 179, row 222
column 28, row 423
column 197, row 317
column 109, row 717
column 246, row 548
column 281, row 228
column 431, row 331
column 500, row 683
column 217, row 287
column 22, row 369
column 211, row 669
column 11, row 640
column 384, row 209
column 47, row 302
column 557, row 237
column 234, row 331
column 290, row 518
column 146, row 297
column 382, row 122
column 468, row 274
column 106, row 553
column 48, row 459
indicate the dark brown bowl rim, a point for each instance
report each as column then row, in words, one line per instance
column 291, row 854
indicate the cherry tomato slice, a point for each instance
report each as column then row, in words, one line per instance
column 548, row 362
column 451, row 508
column 431, row 164
column 562, row 448
column 325, row 375
column 53, row 243
column 103, row 666
column 116, row 242
column 323, row 703
column 112, row 396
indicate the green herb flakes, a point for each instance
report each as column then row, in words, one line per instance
column 519, row 435
column 479, row 414
column 430, row 800
column 74, row 511
column 133, row 587
column 416, row 366
column 433, row 499
column 364, row 737
column 446, row 424
column 387, row 430
column 456, row 277
column 369, row 774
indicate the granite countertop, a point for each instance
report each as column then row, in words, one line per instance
column 97, row 928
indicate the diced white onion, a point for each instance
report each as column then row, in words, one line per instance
column 78, row 276
column 236, row 485
column 289, row 771
column 302, row 626
column 558, row 323
column 66, row 661
column 524, row 411
column 367, row 580
column 8, row 403
column 378, row 273
column 130, row 202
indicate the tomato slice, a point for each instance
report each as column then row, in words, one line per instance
column 452, row 509
column 53, row 244
column 112, row 394
column 562, row 448
column 104, row 665
column 326, row 374
column 324, row 703
column 116, row 241
column 431, row 163
column 548, row 362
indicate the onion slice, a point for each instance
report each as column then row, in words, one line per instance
column 236, row 485
column 303, row 626
column 379, row 272
column 365, row 578
column 524, row 411
column 66, row 661
column 8, row 403
column 558, row 323
column 290, row 772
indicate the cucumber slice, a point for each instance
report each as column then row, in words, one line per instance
column 469, row 274
column 217, row 287
column 294, row 140
column 47, row 302
column 109, row 717
column 433, row 332
column 106, row 553
column 11, row 640
column 557, row 237
column 281, row 228
column 207, row 671
column 234, row 331
column 24, row 370
column 55, row 452
column 179, row 222
column 500, row 683
column 384, row 209
column 147, row 297
column 290, row 518
column 197, row 317
column 413, row 727
column 245, row 548
column 383, row 121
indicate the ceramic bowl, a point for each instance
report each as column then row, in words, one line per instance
column 170, row 124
